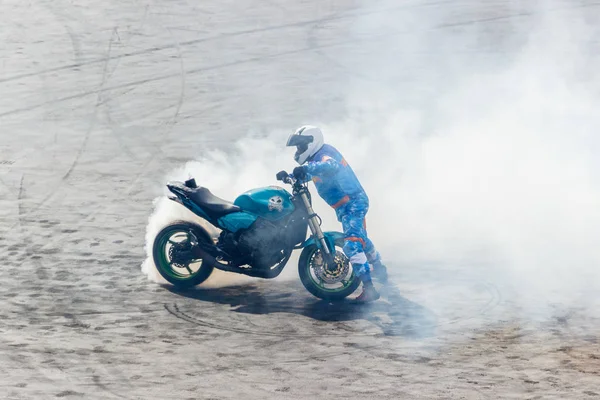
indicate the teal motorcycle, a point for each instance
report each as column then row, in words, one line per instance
column 258, row 233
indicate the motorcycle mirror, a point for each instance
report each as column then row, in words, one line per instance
column 191, row 183
column 281, row 175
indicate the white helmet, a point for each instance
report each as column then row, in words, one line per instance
column 308, row 140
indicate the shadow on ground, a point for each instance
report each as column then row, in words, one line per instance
column 393, row 314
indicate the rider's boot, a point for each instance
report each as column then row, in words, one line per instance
column 369, row 293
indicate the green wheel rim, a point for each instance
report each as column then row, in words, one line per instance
column 167, row 266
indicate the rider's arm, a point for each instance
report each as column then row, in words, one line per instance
column 327, row 166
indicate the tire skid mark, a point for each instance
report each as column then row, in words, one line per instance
column 385, row 329
column 69, row 211
column 94, row 118
column 166, row 76
column 20, row 200
column 181, row 75
column 275, row 55
column 81, row 314
column 312, row 39
column 105, row 100
column 167, row 134
column 109, row 99
column 174, row 310
column 63, row 19
column 83, row 145
column 77, row 54
column 336, row 16
column 60, row 17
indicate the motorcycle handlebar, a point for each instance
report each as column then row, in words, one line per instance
column 285, row 177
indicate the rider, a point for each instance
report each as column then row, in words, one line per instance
column 337, row 184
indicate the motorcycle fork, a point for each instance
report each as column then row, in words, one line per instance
column 315, row 228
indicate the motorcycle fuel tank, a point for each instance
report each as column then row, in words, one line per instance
column 271, row 202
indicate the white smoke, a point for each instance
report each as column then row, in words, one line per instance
column 494, row 168
column 251, row 162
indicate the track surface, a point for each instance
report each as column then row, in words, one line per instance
column 100, row 99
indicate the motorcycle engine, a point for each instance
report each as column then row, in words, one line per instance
column 263, row 243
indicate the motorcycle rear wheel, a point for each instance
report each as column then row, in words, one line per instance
column 310, row 270
column 169, row 255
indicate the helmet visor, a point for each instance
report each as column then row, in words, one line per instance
column 299, row 140
column 301, row 143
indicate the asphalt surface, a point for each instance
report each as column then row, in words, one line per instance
column 101, row 99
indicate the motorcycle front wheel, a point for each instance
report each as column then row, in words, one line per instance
column 331, row 283
column 173, row 258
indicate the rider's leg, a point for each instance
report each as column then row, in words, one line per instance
column 354, row 248
column 379, row 270
column 360, row 206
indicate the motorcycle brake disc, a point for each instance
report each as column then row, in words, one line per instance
column 325, row 274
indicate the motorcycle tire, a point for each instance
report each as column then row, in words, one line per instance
column 173, row 274
column 314, row 287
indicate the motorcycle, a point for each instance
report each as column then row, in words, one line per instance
column 258, row 233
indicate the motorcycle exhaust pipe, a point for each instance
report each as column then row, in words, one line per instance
column 208, row 258
column 205, row 256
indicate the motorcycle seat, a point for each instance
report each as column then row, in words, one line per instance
column 210, row 203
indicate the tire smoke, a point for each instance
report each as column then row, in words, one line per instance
column 484, row 160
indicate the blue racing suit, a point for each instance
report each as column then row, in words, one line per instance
column 337, row 184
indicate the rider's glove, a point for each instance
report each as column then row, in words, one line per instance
column 299, row 173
